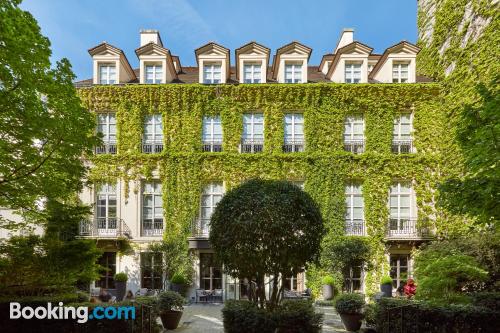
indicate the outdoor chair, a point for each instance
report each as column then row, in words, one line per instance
column 201, row 296
column 142, row 292
column 217, row 295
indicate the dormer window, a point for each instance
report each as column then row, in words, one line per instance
column 352, row 72
column 293, row 73
column 154, row 73
column 107, row 74
column 399, row 72
column 212, row 73
column 252, row 73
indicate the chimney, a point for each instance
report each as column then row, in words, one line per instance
column 346, row 38
column 148, row 36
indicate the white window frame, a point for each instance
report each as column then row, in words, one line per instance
column 291, row 71
column 396, row 280
column 257, row 118
column 353, row 190
column 209, row 138
column 157, row 73
column 396, row 134
column 399, row 194
column 211, row 69
column 107, row 79
column 351, row 69
column 153, row 120
column 106, row 224
column 255, row 73
column 297, row 118
column 211, row 192
column 109, row 121
column 354, row 119
column 397, row 71
column 156, row 220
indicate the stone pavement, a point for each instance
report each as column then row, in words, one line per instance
column 207, row 318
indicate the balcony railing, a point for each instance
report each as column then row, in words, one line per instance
column 402, row 146
column 293, row 146
column 354, row 146
column 355, row 227
column 200, row 228
column 212, row 146
column 104, row 227
column 251, row 146
column 152, row 147
column 406, row 228
column 152, row 228
column 106, row 148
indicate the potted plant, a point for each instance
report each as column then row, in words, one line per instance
column 350, row 308
column 328, row 287
column 121, row 285
column 170, row 306
column 386, row 286
column 178, row 283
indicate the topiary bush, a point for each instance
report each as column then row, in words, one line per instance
column 386, row 280
column 121, row 277
column 170, row 301
column 244, row 316
column 298, row 316
column 349, row 303
column 328, row 280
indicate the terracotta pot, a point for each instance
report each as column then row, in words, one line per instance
column 351, row 321
column 170, row 319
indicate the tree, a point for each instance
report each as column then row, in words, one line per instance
column 175, row 257
column 44, row 130
column 266, row 228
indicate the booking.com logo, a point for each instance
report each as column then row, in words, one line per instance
column 80, row 313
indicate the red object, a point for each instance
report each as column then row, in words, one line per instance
column 410, row 289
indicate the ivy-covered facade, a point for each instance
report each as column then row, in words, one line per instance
column 185, row 169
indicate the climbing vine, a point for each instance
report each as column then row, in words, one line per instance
column 324, row 165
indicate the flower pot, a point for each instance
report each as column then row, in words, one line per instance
column 170, row 319
column 121, row 289
column 179, row 288
column 327, row 292
column 386, row 289
column 351, row 321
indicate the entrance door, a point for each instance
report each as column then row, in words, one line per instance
column 108, row 262
column 210, row 272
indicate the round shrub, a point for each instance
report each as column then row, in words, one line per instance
column 121, row 277
column 328, row 280
column 178, row 278
column 170, row 300
column 298, row 316
column 350, row 303
column 386, row 280
column 244, row 316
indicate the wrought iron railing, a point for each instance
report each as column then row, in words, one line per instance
column 251, row 146
column 152, row 228
column 152, row 147
column 293, row 146
column 106, row 148
column 406, row 228
column 200, row 228
column 402, row 146
column 212, row 146
column 104, row 227
column 354, row 146
column 355, row 227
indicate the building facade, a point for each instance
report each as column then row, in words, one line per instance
column 359, row 133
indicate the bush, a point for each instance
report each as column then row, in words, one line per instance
column 489, row 300
column 82, row 296
column 298, row 316
column 246, row 317
column 121, row 277
column 386, row 280
column 325, row 303
column 170, row 300
column 370, row 314
column 349, row 303
column 328, row 280
column 178, row 278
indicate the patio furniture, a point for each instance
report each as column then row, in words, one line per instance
column 201, row 295
column 142, row 292
column 217, row 295
column 94, row 292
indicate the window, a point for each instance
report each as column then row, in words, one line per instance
column 253, row 133
column 354, row 216
column 151, row 270
column 107, row 74
column 252, row 73
column 399, row 72
column 352, row 72
column 294, row 132
column 154, row 74
column 353, row 277
column 152, row 209
column 211, row 196
column 153, row 134
column 211, row 73
column 399, row 269
column 106, row 209
column 401, row 210
column 354, row 128
column 401, row 135
column 210, row 272
column 212, row 134
column 293, row 73
column 293, row 283
column 107, row 278
column 106, row 125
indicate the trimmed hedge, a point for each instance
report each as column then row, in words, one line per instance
column 401, row 315
column 293, row 316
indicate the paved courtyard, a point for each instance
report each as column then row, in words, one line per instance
column 207, row 318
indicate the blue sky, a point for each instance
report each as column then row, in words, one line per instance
column 75, row 26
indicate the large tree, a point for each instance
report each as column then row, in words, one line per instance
column 44, row 130
column 266, row 228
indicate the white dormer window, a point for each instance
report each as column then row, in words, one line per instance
column 211, row 73
column 154, row 74
column 293, row 73
column 352, row 72
column 252, row 73
column 399, row 72
column 107, row 74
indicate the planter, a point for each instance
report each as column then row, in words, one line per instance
column 170, row 319
column 179, row 288
column 351, row 321
column 327, row 292
column 386, row 289
column 121, row 289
